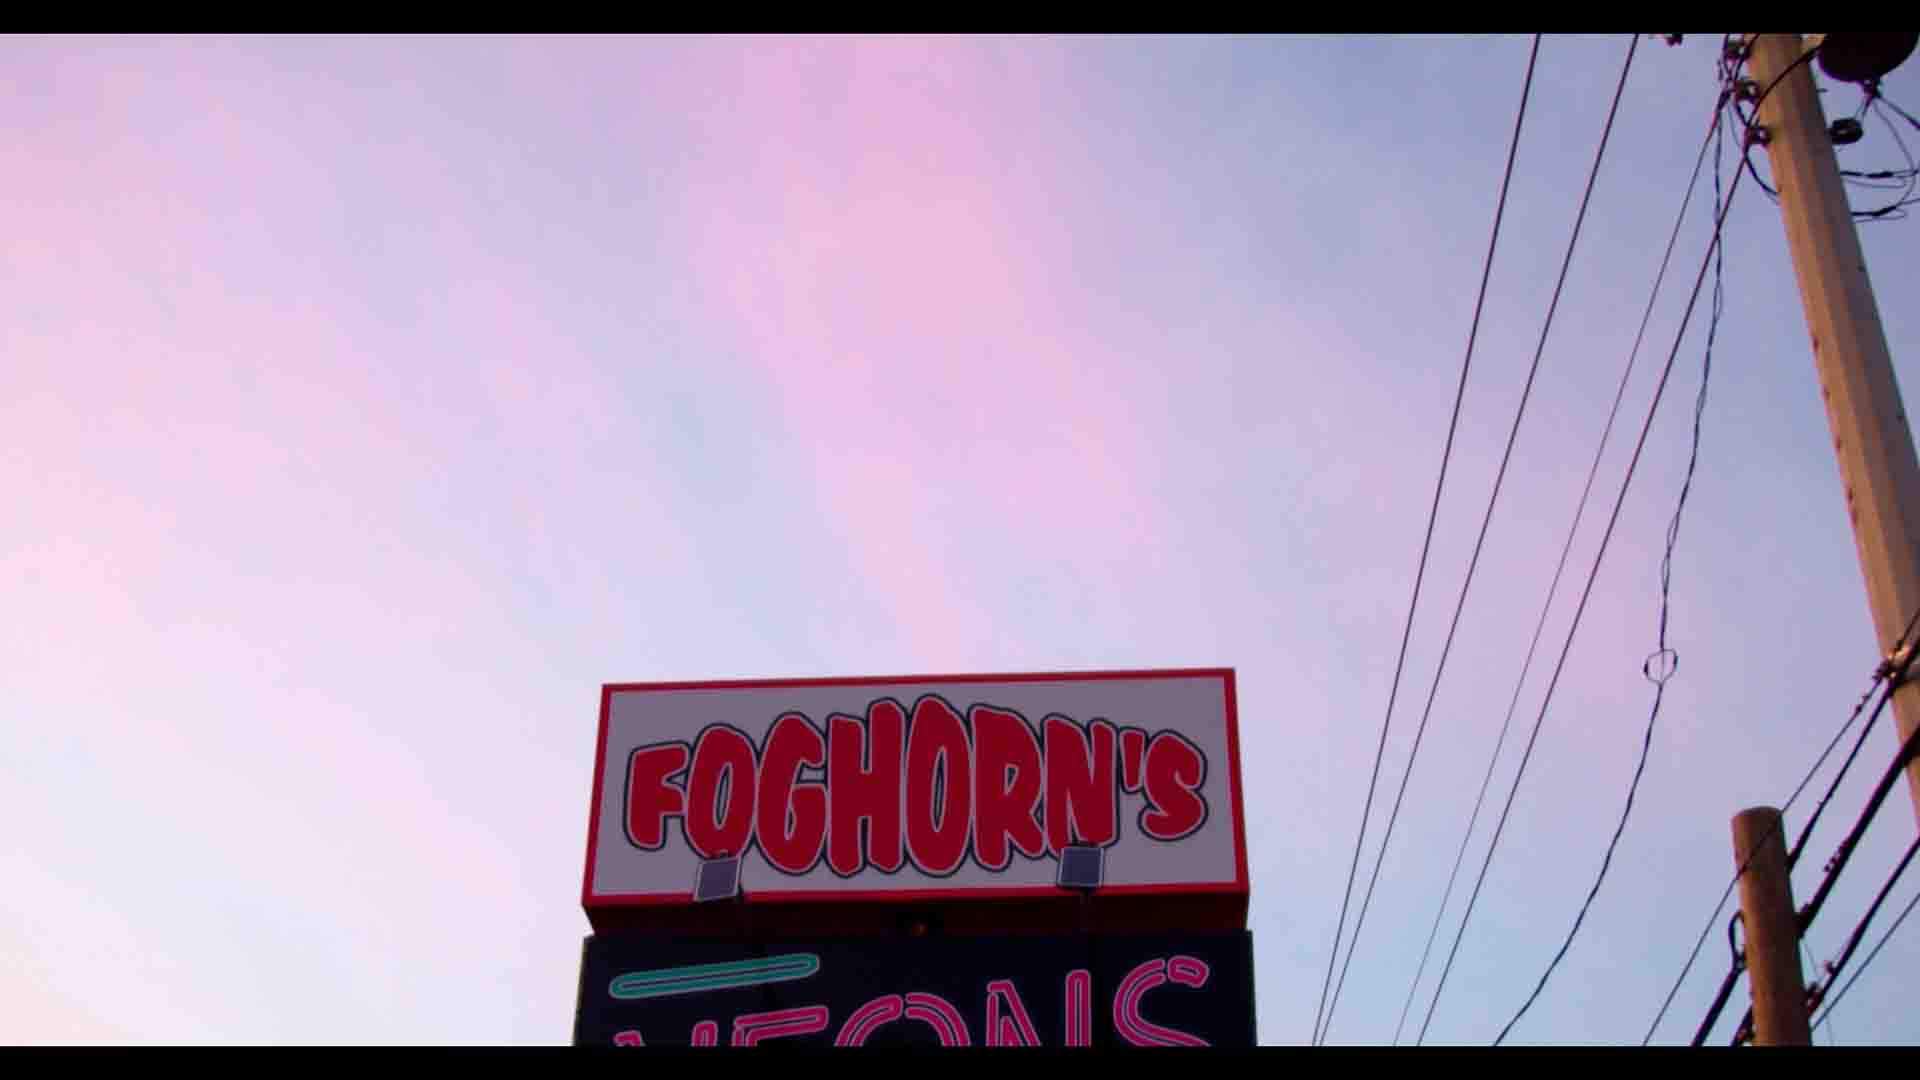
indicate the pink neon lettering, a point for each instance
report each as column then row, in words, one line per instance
column 1014, row 1029
column 1079, row 1008
column 705, row 1033
column 1188, row 971
column 868, row 1018
column 939, row 1013
column 754, row 1028
column 1137, row 1029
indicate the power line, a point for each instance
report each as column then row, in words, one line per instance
column 1586, row 594
column 1896, row 108
column 1713, row 1012
column 1662, row 652
column 1893, row 211
column 1886, row 680
column 1733, row 974
column 1806, row 957
column 1912, row 171
column 1433, row 513
column 1880, row 676
column 1860, row 928
column 1868, row 962
column 1486, row 522
column 1851, row 842
column 1566, row 549
column 1815, row 993
column 1890, row 675
column 1884, row 179
column 1593, row 574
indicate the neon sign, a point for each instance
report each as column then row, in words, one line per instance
column 997, row 991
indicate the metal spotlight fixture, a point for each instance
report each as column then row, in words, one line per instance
column 1846, row 131
column 717, row 879
column 1082, row 867
column 1858, row 58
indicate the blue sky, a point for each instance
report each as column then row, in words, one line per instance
column 373, row 401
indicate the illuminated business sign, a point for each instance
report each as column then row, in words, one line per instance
column 955, row 788
column 1035, row 990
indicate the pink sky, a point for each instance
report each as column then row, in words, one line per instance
column 369, row 402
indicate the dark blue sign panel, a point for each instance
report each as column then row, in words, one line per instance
column 1015, row 990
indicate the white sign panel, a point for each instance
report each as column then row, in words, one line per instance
column 949, row 787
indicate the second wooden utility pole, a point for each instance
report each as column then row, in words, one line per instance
column 1870, row 435
column 1773, row 931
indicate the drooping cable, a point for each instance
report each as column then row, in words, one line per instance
column 1486, row 521
column 1586, row 594
column 1566, row 549
column 1663, row 656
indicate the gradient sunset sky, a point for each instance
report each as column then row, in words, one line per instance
column 367, row 403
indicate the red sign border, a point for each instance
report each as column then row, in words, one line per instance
column 591, row 902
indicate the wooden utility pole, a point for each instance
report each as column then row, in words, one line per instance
column 1773, row 932
column 1878, row 469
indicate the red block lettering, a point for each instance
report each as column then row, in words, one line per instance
column 720, row 793
column 939, row 787
column 863, row 778
column 1083, row 805
column 1133, row 753
column 793, row 814
column 1174, row 772
column 652, row 798
column 1007, row 787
